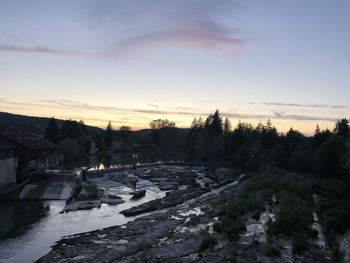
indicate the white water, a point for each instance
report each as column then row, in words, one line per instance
column 40, row 236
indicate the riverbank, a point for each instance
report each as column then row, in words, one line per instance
column 196, row 214
column 163, row 222
column 188, row 223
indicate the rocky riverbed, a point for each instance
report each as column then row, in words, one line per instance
column 179, row 226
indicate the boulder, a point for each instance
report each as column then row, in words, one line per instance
column 138, row 194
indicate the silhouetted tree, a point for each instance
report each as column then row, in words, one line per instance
column 216, row 124
column 330, row 158
column 320, row 137
column 196, row 127
column 72, row 129
column 279, row 156
column 227, row 126
column 109, row 135
column 163, row 132
column 202, row 146
column 301, row 161
column 269, row 135
column 52, row 132
column 69, row 148
column 342, row 127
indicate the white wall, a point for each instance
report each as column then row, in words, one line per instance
column 8, row 169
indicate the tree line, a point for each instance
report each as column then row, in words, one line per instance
column 215, row 141
column 326, row 153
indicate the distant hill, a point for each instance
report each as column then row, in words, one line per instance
column 35, row 124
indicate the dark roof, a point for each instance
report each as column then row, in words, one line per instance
column 27, row 139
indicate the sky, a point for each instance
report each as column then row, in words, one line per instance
column 130, row 62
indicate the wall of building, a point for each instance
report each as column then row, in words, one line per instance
column 8, row 168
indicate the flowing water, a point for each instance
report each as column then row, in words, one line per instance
column 28, row 229
column 32, row 227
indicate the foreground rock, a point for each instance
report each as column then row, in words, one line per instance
column 174, row 233
column 138, row 194
column 82, row 205
column 112, row 199
column 129, row 181
column 90, row 196
column 181, row 233
column 171, row 199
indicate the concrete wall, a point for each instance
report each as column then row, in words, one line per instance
column 8, row 168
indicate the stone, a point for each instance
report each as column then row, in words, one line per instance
column 138, row 194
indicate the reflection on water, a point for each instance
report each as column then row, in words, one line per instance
column 39, row 224
column 16, row 217
column 142, row 155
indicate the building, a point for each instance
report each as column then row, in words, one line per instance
column 22, row 152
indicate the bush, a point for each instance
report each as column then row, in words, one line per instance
column 337, row 254
column 299, row 243
column 330, row 158
column 194, row 220
column 272, row 252
column 293, row 217
column 69, row 148
column 91, row 189
column 231, row 228
column 334, row 224
column 207, row 243
column 173, row 260
column 339, row 213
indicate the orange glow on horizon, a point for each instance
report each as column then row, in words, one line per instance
column 101, row 120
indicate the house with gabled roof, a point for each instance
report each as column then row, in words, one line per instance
column 21, row 152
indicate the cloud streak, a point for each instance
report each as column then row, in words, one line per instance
column 46, row 50
column 302, row 105
column 187, row 23
column 127, row 29
column 155, row 113
column 201, row 38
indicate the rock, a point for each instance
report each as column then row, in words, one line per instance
column 112, row 199
column 158, row 237
column 124, row 179
column 82, row 205
column 166, row 186
column 138, row 194
column 172, row 198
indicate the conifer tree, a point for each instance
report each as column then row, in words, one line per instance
column 52, row 132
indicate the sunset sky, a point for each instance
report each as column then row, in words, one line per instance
column 135, row 61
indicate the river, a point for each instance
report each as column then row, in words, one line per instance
column 28, row 229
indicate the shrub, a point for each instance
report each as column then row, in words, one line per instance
column 334, row 224
column 231, row 228
column 293, row 217
column 194, row 220
column 337, row 254
column 299, row 243
column 272, row 252
column 207, row 243
column 91, row 189
column 173, row 260
column 339, row 213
